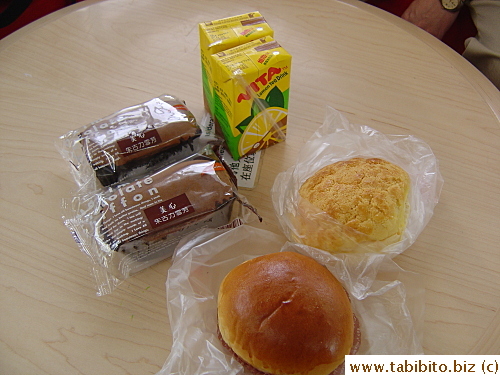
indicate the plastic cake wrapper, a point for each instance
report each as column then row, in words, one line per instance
column 125, row 228
column 336, row 140
column 132, row 141
column 247, row 169
column 387, row 300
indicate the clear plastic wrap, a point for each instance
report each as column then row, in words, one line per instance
column 131, row 141
column 338, row 140
column 387, row 300
column 127, row 227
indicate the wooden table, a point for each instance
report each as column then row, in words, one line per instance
column 91, row 59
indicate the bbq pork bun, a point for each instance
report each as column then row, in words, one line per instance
column 284, row 313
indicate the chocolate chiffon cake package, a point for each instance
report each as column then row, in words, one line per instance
column 129, row 226
column 131, row 142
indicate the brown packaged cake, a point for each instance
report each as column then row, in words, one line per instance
column 128, row 139
column 129, row 226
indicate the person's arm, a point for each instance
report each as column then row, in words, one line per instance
column 430, row 16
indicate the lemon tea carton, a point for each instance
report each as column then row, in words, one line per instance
column 220, row 35
column 251, row 85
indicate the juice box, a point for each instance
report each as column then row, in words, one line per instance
column 251, row 85
column 219, row 35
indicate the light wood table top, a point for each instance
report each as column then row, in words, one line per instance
column 91, row 59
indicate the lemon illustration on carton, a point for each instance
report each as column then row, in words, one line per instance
column 264, row 130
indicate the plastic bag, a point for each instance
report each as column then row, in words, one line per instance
column 247, row 169
column 337, row 140
column 128, row 227
column 387, row 300
column 131, row 141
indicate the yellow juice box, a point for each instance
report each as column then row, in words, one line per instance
column 219, row 35
column 251, row 85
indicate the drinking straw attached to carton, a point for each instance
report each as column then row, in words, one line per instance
column 275, row 129
column 246, row 81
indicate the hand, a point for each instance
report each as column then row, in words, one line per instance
column 430, row 16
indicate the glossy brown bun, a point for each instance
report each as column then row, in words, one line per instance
column 284, row 313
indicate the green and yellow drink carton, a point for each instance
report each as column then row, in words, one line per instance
column 251, row 85
column 220, row 35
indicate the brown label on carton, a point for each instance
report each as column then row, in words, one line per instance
column 138, row 141
column 253, row 21
column 169, row 211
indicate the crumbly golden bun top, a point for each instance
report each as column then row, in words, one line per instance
column 284, row 313
column 367, row 195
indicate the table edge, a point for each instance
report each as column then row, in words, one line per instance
column 29, row 28
column 483, row 86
